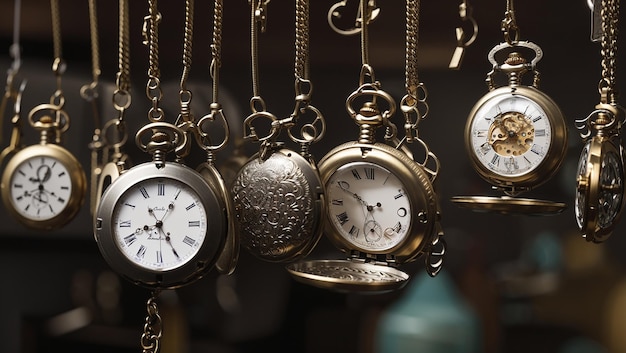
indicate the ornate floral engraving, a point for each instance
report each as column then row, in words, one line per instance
column 274, row 207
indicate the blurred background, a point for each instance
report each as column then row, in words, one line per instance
column 509, row 284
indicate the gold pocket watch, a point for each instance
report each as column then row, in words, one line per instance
column 43, row 185
column 600, row 177
column 160, row 224
column 278, row 195
column 515, row 135
column 381, row 207
column 600, row 174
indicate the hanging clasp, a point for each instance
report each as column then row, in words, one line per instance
column 335, row 13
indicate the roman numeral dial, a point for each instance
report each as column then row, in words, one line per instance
column 368, row 206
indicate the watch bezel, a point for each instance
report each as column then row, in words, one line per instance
column 418, row 187
column 194, row 268
column 77, row 177
column 554, row 156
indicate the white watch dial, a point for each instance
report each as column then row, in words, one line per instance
column 40, row 188
column 368, row 206
column 511, row 135
column 159, row 224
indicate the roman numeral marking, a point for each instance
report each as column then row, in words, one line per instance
column 354, row 231
column 189, row 241
column 125, row 223
column 19, row 186
column 194, row 223
column 160, row 189
column 356, row 174
column 130, row 239
column 342, row 218
column 141, row 252
column 144, row 192
column 190, row 206
column 61, row 200
column 495, row 160
column 129, row 205
column 541, row 132
column 159, row 257
column 337, row 202
column 369, row 173
column 537, row 119
column 397, row 196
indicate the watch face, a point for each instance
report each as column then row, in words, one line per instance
column 40, row 188
column 160, row 227
column 510, row 135
column 159, row 224
column 582, row 186
column 368, row 206
column 611, row 189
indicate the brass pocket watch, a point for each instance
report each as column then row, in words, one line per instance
column 43, row 185
column 278, row 195
column 600, row 174
column 380, row 207
column 600, row 177
column 515, row 135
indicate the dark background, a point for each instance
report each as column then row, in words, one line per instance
column 530, row 283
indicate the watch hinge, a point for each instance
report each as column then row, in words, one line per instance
column 376, row 259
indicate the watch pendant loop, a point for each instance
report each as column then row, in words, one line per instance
column 215, row 116
column 370, row 90
column 164, row 138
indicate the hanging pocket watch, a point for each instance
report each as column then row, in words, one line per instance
column 515, row 136
column 278, row 195
column 160, row 224
column 380, row 207
column 43, row 185
column 600, row 175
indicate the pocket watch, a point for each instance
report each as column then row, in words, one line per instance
column 600, row 178
column 43, row 186
column 600, row 187
column 515, row 136
column 160, row 225
column 277, row 194
column 381, row 208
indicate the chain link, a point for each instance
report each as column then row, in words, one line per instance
column 216, row 47
column 509, row 24
column 151, row 39
column 153, row 327
column 610, row 16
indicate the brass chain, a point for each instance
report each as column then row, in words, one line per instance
column 151, row 39
column 610, row 16
column 185, row 93
column 302, row 40
column 216, row 47
column 122, row 81
column 153, row 327
column 59, row 65
column 509, row 24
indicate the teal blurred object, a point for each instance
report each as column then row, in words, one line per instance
column 430, row 317
column 582, row 345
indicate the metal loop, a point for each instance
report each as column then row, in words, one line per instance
column 257, row 104
column 251, row 132
column 121, row 99
column 367, row 71
column 120, row 133
column 309, row 132
column 175, row 137
column 204, row 142
column 369, row 90
column 335, row 13
column 89, row 92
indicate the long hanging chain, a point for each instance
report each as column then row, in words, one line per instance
column 309, row 132
column 10, row 93
column 164, row 137
column 509, row 24
column 607, row 85
column 153, row 327
column 185, row 119
column 61, row 122
column 216, row 113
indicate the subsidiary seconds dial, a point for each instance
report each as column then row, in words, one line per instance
column 368, row 206
column 510, row 136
